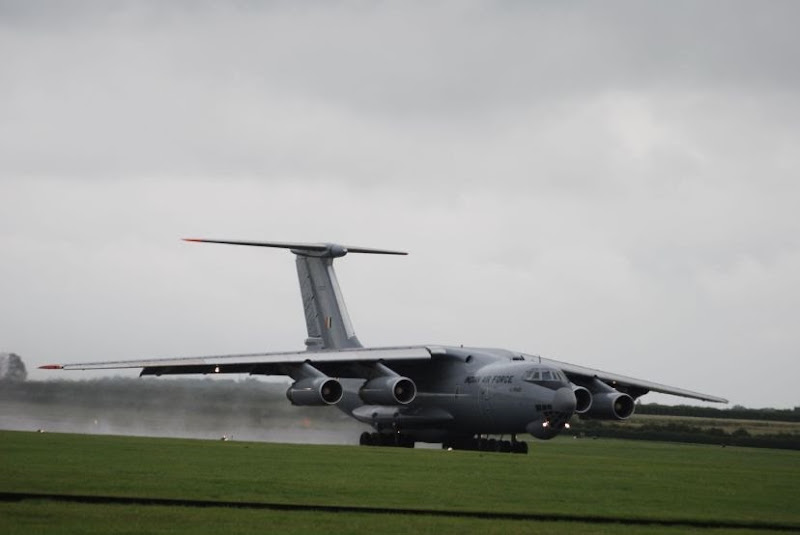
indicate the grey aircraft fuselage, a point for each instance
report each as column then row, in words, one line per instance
column 472, row 391
column 429, row 393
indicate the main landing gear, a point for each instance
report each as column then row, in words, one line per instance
column 480, row 443
column 384, row 439
column 476, row 443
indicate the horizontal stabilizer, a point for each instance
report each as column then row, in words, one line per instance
column 305, row 249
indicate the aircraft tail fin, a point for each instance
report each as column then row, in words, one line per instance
column 327, row 322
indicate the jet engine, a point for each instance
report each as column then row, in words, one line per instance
column 583, row 399
column 610, row 406
column 315, row 391
column 388, row 390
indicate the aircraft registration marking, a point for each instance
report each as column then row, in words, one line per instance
column 493, row 379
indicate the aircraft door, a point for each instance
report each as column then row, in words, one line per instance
column 485, row 399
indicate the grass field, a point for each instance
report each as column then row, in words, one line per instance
column 570, row 478
column 754, row 427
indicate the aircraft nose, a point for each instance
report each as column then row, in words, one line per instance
column 553, row 421
column 564, row 401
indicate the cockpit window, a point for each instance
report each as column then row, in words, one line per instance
column 539, row 375
column 532, row 375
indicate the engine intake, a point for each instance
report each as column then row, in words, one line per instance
column 315, row 391
column 388, row 390
column 583, row 399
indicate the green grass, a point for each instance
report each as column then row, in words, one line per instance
column 610, row 478
column 754, row 427
column 32, row 518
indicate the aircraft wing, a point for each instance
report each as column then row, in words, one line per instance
column 335, row 362
column 630, row 385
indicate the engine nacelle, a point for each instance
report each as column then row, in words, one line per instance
column 388, row 390
column 315, row 391
column 583, row 399
column 611, row 406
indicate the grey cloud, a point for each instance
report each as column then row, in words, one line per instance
column 141, row 88
column 609, row 183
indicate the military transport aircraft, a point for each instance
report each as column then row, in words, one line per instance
column 459, row 396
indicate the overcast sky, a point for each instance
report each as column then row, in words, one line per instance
column 613, row 184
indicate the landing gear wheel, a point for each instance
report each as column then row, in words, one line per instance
column 405, row 442
column 519, row 447
column 383, row 439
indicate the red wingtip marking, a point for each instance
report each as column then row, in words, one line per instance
column 51, row 367
column 190, row 239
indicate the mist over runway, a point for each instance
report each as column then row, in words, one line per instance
column 249, row 410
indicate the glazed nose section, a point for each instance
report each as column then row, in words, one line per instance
column 555, row 419
column 564, row 401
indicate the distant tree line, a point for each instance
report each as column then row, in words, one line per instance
column 12, row 369
column 737, row 412
column 683, row 431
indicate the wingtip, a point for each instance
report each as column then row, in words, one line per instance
column 51, row 367
column 191, row 239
